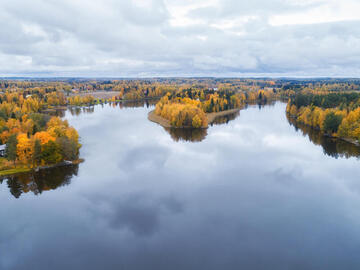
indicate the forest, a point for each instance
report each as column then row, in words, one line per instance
column 188, row 108
column 79, row 91
column 33, row 138
column 335, row 114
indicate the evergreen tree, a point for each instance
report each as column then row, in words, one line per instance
column 51, row 153
column 37, row 152
column 332, row 122
column 11, row 147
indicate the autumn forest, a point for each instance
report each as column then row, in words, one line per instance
column 34, row 135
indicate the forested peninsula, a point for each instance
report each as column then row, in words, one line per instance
column 193, row 108
column 31, row 139
column 335, row 114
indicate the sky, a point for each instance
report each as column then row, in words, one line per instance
column 162, row 38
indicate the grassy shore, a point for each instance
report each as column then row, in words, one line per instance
column 210, row 117
column 15, row 171
column 23, row 169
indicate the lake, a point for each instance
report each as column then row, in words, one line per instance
column 254, row 191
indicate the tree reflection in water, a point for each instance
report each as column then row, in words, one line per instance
column 225, row 119
column 138, row 103
column 50, row 179
column 43, row 180
column 77, row 110
column 198, row 134
column 187, row 134
column 331, row 146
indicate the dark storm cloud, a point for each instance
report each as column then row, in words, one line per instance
column 169, row 37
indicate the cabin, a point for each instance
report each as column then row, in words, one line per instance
column 2, row 150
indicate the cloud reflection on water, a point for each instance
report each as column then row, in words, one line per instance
column 255, row 194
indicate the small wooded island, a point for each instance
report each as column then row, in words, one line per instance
column 195, row 108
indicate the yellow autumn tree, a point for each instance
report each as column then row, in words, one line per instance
column 196, row 121
column 24, row 148
column 44, row 137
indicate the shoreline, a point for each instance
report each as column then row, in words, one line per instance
column 96, row 102
column 141, row 99
column 210, row 117
column 20, row 170
column 348, row 140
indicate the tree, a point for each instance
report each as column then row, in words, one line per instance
column 68, row 148
column 37, row 152
column 24, row 148
column 44, row 137
column 196, row 121
column 332, row 122
column 211, row 108
column 51, row 153
column 11, row 148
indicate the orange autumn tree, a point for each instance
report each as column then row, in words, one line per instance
column 44, row 137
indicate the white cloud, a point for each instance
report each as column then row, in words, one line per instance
column 329, row 11
column 180, row 37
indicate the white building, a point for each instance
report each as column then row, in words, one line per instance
column 2, row 150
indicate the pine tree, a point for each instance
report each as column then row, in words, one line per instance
column 11, row 148
column 37, row 152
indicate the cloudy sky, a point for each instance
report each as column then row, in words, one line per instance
column 145, row 38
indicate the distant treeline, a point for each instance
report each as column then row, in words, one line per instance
column 330, row 100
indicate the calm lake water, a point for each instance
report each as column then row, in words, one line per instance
column 251, row 192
